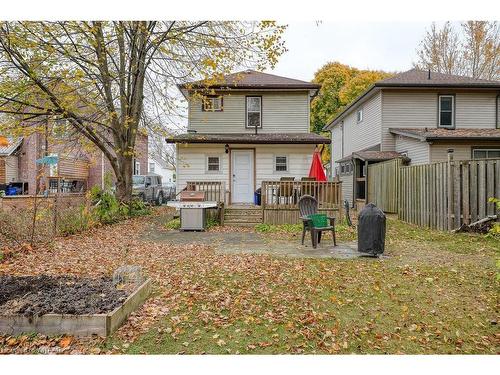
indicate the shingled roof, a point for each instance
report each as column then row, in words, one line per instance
column 252, row 79
column 417, row 78
column 432, row 134
column 247, row 138
column 371, row 156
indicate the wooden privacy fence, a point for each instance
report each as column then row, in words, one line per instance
column 279, row 199
column 446, row 195
column 441, row 195
column 383, row 184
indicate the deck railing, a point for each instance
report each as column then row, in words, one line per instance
column 214, row 190
column 286, row 194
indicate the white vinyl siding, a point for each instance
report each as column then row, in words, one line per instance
column 191, row 162
column 415, row 149
column 282, row 112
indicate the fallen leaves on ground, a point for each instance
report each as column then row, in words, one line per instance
column 423, row 298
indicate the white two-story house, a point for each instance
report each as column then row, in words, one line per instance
column 419, row 114
column 252, row 127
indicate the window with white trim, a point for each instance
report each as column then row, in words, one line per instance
column 254, row 112
column 446, row 111
column 359, row 115
column 281, row 163
column 212, row 103
column 486, row 153
column 151, row 167
column 213, row 164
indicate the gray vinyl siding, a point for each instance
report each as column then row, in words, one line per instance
column 463, row 151
column 365, row 134
column 405, row 109
column 282, row 112
column 416, row 150
column 419, row 109
column 347, row 181
column 476, row 110
column 358, row 136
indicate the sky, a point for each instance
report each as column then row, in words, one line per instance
column 389, row 46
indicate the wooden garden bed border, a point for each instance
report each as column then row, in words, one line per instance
column 76, row 325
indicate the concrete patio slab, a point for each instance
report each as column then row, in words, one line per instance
column 256, row 243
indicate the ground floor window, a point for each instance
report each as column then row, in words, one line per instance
column 486, row 153
column 213, row 164
column 281, row 163
column 151, row 167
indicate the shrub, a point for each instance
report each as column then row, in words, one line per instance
column 74, row 220
column 173, row 224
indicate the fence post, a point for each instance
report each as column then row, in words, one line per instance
column 450, row 189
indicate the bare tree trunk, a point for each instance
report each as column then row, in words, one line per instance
column 124, row 179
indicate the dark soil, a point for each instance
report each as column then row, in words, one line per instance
column 39, row 295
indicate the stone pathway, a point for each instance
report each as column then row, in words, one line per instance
column 257, row 243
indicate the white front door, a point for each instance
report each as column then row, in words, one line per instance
column 243, row 176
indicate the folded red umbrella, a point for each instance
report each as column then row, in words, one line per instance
column 317, row 169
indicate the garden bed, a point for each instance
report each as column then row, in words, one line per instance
column 66, row 305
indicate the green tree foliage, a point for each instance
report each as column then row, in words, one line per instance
column 340, row 84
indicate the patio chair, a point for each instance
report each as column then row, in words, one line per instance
column 309, row 206
column 286, row 189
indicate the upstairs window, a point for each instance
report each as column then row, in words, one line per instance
column 359, row 115
column 281, row 164
column 254, row 112
column 212, row 103
column 213, row 164
column 446, row 111
column 151, row 167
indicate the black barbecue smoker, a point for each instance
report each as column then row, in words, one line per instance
column 371, row 230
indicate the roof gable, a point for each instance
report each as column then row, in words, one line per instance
column 14, row 143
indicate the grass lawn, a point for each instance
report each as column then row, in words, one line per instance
column 434, row 293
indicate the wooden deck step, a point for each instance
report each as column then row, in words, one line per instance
column 245, row 216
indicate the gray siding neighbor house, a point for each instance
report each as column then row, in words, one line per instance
column 421, row 115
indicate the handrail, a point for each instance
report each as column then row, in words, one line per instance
column 286, row 194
